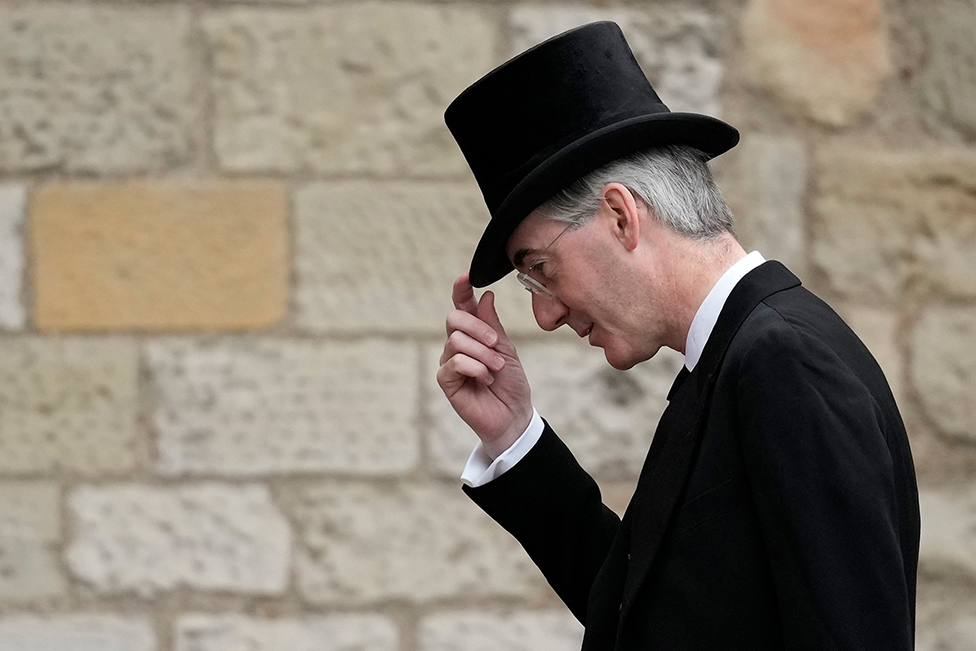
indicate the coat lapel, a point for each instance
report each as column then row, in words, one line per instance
column 678, row 435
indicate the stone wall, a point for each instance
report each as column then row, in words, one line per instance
column 228, row 231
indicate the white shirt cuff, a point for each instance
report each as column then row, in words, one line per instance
column 480, row 468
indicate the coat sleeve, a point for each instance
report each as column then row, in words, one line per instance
column 555, row 510
column 815, row 447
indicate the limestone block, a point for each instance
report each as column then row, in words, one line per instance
column 12, row 200
column 606, row 417
column 142, row 539
column 351, row 88
column 825, row 59
column 257, row 407
column 678, row 49
column 96, row 89
column 764, row 179
column 29, row 526
column 948, row 544
column 68, row 405
column 878, row 329
column 160, row 256
column 944, row 368
column 947, row 74
column 76, row 633
column 347, row 632
column 885, row 223
column 360, row 544
column 383, row 256
column 956, row 635
column 524, row 631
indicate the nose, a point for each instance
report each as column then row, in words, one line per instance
column 550, row 313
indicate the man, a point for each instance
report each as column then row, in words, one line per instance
column 777, row 506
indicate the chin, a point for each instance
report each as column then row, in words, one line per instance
column 625, row 360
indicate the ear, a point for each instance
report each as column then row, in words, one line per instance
column 624, row 213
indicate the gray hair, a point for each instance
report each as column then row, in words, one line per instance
column 673, row 181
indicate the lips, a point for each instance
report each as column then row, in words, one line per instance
column 585, row 331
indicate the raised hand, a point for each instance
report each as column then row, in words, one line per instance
column 480, row 372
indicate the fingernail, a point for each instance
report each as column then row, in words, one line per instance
column 491, row 338
column 499, row 361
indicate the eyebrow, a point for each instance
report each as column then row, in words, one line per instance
column 519, row 256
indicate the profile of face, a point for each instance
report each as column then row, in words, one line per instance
column 609, row 279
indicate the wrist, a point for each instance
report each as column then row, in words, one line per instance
column 497, row 446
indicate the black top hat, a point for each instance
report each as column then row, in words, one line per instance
column 554, row 113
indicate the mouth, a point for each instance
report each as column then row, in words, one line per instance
column 583, row 333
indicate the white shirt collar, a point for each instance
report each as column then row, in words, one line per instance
column 707, row 314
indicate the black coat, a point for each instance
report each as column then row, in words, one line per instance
column 777, row 507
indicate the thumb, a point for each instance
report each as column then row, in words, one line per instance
column 487, row 313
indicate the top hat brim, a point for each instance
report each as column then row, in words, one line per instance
column 572, row 161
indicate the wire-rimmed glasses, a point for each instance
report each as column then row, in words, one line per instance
column 530, row 283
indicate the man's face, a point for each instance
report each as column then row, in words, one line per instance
column 607, row 283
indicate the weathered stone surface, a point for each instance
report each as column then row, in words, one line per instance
column 607, row 417
column 89, row 88
column 764, row 179
column 76, row 633
column 878, row 329
column 947, row 74
column 150, row 539
column 361, row 544
column 333, row 633
column 826, row 59
column 12, row 200
column 956, row 635
column 353, row 88
column 160, row 256
column 525, row 631
column 384, row 256
column 887, row 223
column 678, row 49
column 944, row 368
column 255, row 407
column 68, row 405
column 29, row 524
column 948, row 544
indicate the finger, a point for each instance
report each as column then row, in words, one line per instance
column 459, row 368
column 463, row 295
column 471, row 326
column 486, row 313
column 460, row 342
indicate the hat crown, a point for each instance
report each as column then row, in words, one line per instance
column 543, row 99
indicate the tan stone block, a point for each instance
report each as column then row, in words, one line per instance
column 68, row 405
column 888, row 223
column 826, row 59
column 339, row 632
column 278, row 406
column 360, row 544
column 946, row 74
column 29, row 526
column 948, row 541
column 95, row 88
column 165, row 256
column 944, row 368
column 352, row 88
column 679, row 49
column 150, row 539
column 383, row 256
column 77, row 632
column 12, row 201
column 523, row 631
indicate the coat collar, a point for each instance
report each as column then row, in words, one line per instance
column 670, row 458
